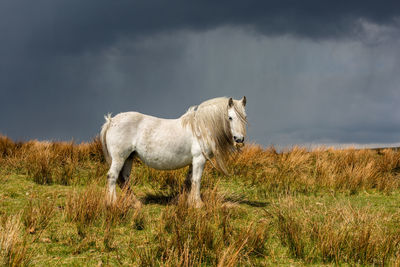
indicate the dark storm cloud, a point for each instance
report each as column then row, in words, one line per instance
column 73, row 26
column 64, row 63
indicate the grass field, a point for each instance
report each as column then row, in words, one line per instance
column 293, row 208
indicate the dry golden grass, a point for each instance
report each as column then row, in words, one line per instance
column 85, row 207
column 296, row 170
column 13, row 245
column 303, row 171
column 37, row 214
column 47, row 163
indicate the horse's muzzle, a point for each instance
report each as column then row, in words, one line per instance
column 238, row 140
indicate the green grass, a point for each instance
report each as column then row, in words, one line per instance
column 61, row 244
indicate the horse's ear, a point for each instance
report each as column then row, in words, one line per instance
column 230, row 102
column 244, row 101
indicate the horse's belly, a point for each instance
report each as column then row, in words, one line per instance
column 164, row 160
column 165, row 155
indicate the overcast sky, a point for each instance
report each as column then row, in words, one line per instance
column 314, row 72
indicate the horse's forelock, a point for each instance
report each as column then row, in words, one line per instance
column 241, row 116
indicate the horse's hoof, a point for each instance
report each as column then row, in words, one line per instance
column 110, row 201
column 110, row 204
column 197, row 204
column 138, row 204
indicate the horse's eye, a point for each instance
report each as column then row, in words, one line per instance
column 230, row 118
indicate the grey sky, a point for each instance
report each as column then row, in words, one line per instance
column 312, row 73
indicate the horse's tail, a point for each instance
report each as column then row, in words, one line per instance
column 103, row 140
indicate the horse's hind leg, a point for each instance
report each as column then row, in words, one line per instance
column 188, row 180
column 123, row 181
column 123, row 177
column 112, row 177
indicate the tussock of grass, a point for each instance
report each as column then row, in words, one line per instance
column 13, row 245
column 90, row 206
column 37, row 214
column 85, row 207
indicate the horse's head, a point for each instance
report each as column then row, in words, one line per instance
column 237, row 119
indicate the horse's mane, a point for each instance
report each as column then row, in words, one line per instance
column 209, row 123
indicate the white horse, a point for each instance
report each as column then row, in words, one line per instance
column 211, row 129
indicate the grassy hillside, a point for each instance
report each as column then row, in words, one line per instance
column 323, row 207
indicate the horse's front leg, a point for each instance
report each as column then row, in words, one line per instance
column 194, row 198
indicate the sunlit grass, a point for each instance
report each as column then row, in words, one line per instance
column 297, row 207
